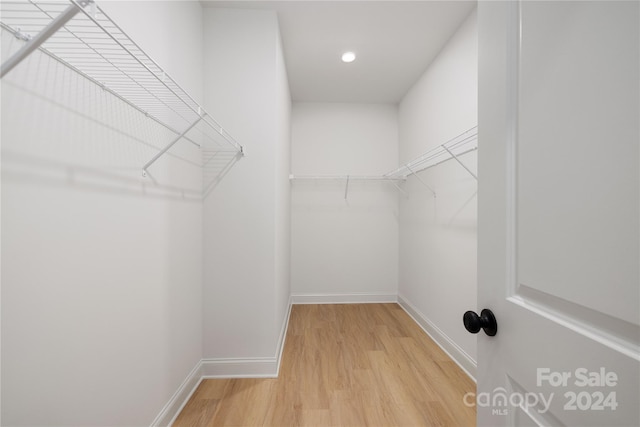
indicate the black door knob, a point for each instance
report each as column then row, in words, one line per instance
column 486, row 321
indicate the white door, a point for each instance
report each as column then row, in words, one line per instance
column 559, row 213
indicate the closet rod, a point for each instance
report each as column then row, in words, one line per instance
column 349, row 177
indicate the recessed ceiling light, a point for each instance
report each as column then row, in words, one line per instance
column 348, row 57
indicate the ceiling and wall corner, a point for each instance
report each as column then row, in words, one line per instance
column 395, row 42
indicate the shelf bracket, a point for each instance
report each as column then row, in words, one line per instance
column 165, row 149
column 461, row 164
column 346, row 188
column 398, row 187
column 35, row 42
column 421, row 181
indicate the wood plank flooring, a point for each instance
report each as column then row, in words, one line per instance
column 343, row 365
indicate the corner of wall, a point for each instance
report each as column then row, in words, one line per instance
column 172, row 409
column 457, row 354
column 223, row 368
column 343, row 298
column 249, row 367
column 438, row 239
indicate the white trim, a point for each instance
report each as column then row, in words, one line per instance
column 352, row 298
column 170, row 412
column 267, row 367
column 453, row 350
column 283, row 335
column 251, row 367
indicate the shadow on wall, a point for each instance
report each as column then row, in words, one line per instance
column 453, row 220
column 454, row 205
column 319, row 198
column 62, row 129
column 44, row 172
column 216, row 164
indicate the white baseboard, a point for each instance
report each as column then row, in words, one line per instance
column 254, row 367
column 180, row 398
column 268, row 367
column 352, row 298
column 459, row 356
column 283, row 335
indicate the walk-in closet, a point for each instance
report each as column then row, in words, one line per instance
column 279, row 196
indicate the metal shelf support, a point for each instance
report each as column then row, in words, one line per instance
column 346, row 188
column 421, row 181
column 461, row 164
column 165, row 149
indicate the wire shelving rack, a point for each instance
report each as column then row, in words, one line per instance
column 454, row 148
column 80, row 35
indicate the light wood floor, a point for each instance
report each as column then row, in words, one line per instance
column 343, row 365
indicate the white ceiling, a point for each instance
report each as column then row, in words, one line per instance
column 395, row 41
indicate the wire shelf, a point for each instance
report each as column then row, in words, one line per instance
column 452, row 149
column 82, row 36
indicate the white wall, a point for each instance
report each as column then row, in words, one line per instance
column 344, row 247
column 283, row 189
column 102, row 269
column 438, row 235
column 246, row 220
